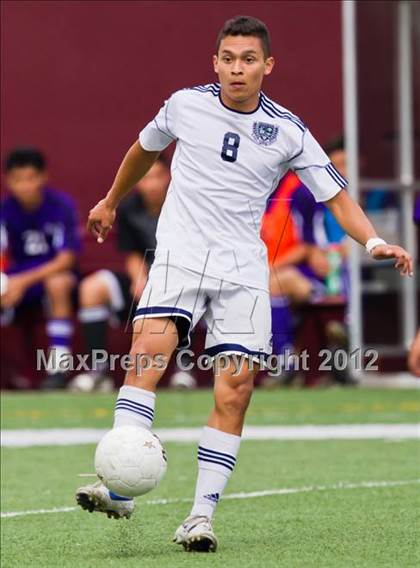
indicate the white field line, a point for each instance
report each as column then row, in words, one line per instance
column 69, row 436
column 250, row 495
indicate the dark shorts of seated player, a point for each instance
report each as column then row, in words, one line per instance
column 319, row 286
column 238, row 318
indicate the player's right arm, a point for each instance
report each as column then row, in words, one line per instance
column 134, row 166
column 154, row 138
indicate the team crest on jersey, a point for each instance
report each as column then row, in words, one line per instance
column 264, row 133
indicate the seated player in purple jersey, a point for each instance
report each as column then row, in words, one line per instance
column 108, row 295
column 324, row 268
column 40, row 233
column 319, row 273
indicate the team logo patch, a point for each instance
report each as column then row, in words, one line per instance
column 264, row 133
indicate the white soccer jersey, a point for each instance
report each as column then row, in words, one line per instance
column 226, row 165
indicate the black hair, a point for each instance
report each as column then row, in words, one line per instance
column 334, row 144
column 23, row 157
column 246, row 26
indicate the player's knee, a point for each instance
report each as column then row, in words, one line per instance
column 153, row 336
column 93, row 291
column 59, row 285
column 282, row 281
column 150, row 341
column 144, row 344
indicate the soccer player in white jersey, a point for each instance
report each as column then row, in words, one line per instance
column 233, row 144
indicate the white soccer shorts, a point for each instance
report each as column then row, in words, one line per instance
column 238, row 318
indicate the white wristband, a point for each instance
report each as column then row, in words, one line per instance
column 374, row 242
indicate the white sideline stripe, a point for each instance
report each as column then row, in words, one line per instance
column 69, row 436
column 250, row 495
column 37, row 512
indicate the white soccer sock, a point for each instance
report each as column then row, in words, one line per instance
column 216, row 459
column 134, row 407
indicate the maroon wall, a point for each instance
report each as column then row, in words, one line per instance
column 81, row 78
column 377, row 42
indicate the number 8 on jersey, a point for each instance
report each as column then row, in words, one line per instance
column 230, row 147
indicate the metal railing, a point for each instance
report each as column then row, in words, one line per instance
column 405, row 185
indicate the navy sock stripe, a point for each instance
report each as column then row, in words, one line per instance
column 215, row 459
column 138, row 408
column 59, row 340
column 218, row 455
column 134, row 402
column 136, row 405
column 125, row 406
column 131, row 409
column 216, row 462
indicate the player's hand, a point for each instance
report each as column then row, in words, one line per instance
column 16, row 288
column 100, row 220
column 318, row 261
column 404, row 262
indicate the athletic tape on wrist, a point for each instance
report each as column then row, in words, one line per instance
column 374, row 242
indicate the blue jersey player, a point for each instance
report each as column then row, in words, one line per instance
column 39, row 231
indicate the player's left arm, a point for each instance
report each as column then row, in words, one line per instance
column 356, row 224
column 315, row 170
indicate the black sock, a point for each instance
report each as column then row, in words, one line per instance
column 94, row 329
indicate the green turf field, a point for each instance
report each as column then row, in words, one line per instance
column 336, row 514
column 174, row 409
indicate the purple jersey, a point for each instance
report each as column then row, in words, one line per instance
column 314, row 222
column 317, row 228
column 417, row 210
column 308, row 216
column 35, row 237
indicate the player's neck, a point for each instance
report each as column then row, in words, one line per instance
column 33, row 203
column 250, row 105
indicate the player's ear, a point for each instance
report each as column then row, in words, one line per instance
column 269, row 64
column 215, row 64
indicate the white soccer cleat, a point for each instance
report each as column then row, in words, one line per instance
column 196, row 533
column 96, row 497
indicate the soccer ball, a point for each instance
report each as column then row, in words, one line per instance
column 130, row 461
